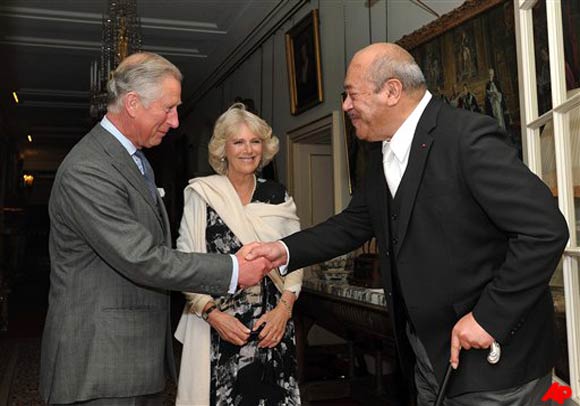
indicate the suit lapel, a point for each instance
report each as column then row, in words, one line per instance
column 123, row 162
column 165, row 224
column 420, row 148
column 381, row 190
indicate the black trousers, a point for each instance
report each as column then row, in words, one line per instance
column 528, row 394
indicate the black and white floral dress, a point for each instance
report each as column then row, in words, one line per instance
column 248, row 375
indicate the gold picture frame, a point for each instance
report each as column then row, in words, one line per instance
column 304, row 66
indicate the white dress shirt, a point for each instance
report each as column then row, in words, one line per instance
column 396, row 150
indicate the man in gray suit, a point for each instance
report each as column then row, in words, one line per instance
column 107, row 338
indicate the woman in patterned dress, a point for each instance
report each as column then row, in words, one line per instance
column 226, row 359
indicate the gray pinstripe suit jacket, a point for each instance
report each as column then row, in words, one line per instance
column 107, row 331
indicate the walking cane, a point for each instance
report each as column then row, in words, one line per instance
column 493, row 358
column 443, row 386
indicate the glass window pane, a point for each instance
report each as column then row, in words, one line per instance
column 549, row 176
column 571, row 31
column 548, row 155
column 577, row 209
column 557, row 287
column 575, row 153
column 542, row 58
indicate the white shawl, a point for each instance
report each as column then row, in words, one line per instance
column 252, row 222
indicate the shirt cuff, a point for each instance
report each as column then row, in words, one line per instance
column 235, row 273
column 284, row 268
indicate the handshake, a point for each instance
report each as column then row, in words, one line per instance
column 257, row 259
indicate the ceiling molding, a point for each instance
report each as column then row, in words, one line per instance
column 45, row 104
column 51, row 43
column 76, row 17
column 20, row 41
column 51, row 15
column 181, row 23
column 172, row 51
column 29, row 91
column 52, row 98
column 172, row 27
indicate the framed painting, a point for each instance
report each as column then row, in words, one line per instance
column 304, row 68
column 469, row 57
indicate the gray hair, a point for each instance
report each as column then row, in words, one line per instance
column 385, row 67
column 141, row 73
column 228, row 125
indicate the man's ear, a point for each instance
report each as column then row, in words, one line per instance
column 393, row 90
column 131, row 103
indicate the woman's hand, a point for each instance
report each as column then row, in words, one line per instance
column 276, row 321
column 228, row 327
column 273, row 331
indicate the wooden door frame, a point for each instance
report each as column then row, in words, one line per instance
column 324, row 130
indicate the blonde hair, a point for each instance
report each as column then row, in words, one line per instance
column 142, row 73
column 228, row 125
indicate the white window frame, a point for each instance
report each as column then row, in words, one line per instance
column 559, row 115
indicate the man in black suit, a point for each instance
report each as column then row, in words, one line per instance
column 468, row 237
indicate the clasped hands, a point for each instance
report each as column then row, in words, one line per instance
column 257, row 259
column 268, row 330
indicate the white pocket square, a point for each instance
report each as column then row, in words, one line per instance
column 161, row 191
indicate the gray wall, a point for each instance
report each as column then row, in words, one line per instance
column 345, row 27
column 405, row 16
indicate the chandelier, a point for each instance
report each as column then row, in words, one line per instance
column 121, row 38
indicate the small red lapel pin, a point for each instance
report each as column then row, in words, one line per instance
column 423, row 145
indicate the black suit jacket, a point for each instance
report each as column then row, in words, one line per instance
column 476, row 231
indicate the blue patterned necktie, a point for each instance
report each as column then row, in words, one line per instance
column 147, row 173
